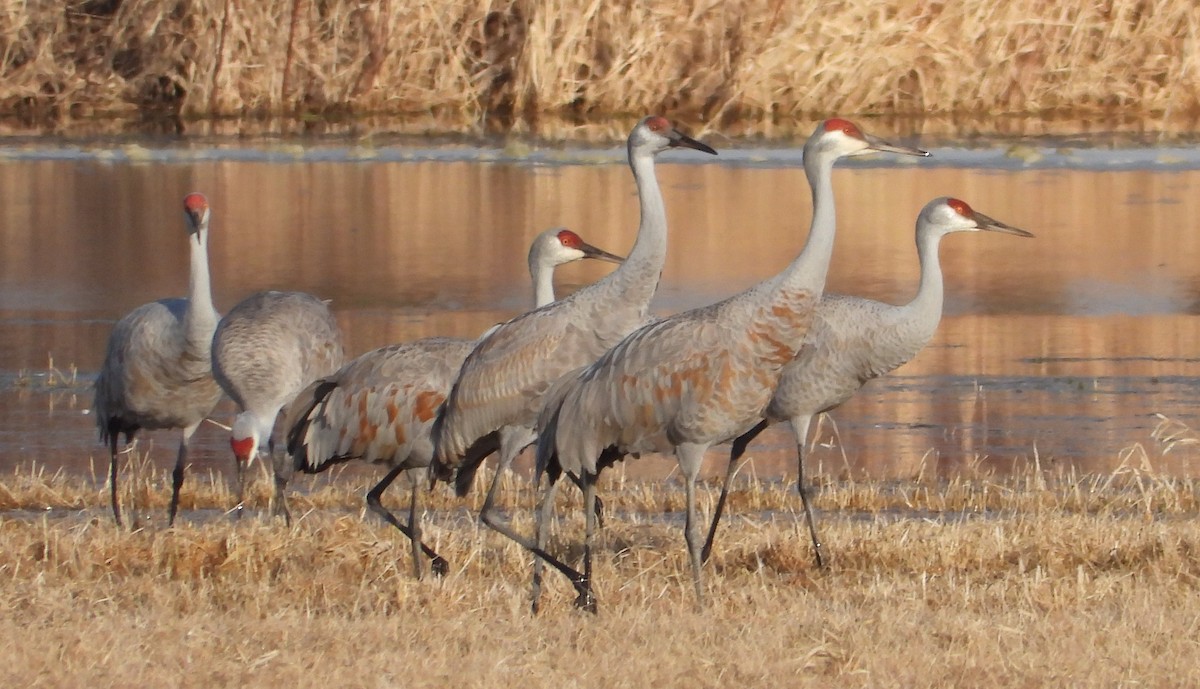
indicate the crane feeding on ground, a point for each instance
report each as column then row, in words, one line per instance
column 695, row 379
column 157, row 372
column 265, row 351
column 853, row 341
column 379, row 407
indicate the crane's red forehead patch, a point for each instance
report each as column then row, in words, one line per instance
column 242, row 447
column 195, row 202
column 960, row 207
column 844, row 126
column 658, row 123
column 569, row 239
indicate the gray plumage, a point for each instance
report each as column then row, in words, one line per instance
column 379, row 407
column 500, row 387
column 701, row 377
column 157, row 372
column 855, row 340
column 265, row 351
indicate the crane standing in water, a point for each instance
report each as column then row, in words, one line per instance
column 379, row 407
column 695, row 379
column 855, row 340
column 265, row 351
column 498, row 392
column 157, row 372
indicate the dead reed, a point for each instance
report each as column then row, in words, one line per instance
column 1039, row 578
column 516, row 65
column 1048, row 597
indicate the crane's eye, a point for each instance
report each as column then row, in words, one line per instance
column 844, row 126
column 569, row 239
column 960, row 207
column 658, row 124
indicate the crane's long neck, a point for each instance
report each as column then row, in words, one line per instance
column 543, row 281
column 808, row 270
column 926, row 307
column 638, row 275
column 201, row 317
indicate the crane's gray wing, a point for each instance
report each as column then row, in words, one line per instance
column 503, row 379
column 378, row 408
column 151, row 377
column 319, row 340
column 689, row 378
column 852, row 341
column 272, row 345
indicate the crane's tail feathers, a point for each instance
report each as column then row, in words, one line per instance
column 299, row 417
column 439, row 468
column 547, row 452
column 464, row 476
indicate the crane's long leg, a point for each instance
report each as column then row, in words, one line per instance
column 281, row 467
column 112, row 477
column 690, row 457
column 800, row 426
column 177, row 474
column 544, row 511
column 414, row 525
column 735, row 453
column 241, row 488
column 374, row 501
column 576, row 578
column 512, row 441
column 587, row 598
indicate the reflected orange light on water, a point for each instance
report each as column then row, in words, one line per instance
column 1106, row 292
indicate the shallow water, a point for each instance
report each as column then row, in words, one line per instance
column 1063, row 347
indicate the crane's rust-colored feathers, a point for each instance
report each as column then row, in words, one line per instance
column 697, row 377
column 378, row 408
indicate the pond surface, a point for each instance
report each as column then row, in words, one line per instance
column 1062, row 348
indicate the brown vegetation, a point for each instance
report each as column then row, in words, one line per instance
column 514, row 65
column 1040, row 579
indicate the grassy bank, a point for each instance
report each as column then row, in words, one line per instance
column 523, row 66
column 1040, row 579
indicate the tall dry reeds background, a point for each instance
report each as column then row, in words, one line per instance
column 511, row 65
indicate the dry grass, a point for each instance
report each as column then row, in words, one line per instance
column 525, row 66
column 1039, row 579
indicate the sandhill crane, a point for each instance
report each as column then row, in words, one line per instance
column 498, row 391
column 156, row 371
column 855, row 340
column 698, row 378
column 266, row 350
column 379, row 407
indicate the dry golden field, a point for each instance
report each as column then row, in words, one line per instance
column 1041, row 579
column 755, row 66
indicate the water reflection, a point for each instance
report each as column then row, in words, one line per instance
column 1067, row 343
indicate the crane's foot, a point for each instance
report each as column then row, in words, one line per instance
column 586, row 600
column 439, row 566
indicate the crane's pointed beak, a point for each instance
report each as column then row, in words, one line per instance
column 590, row 251
column 877, row 144
column 993, row 225
column 195, row 221
column 679, row 139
